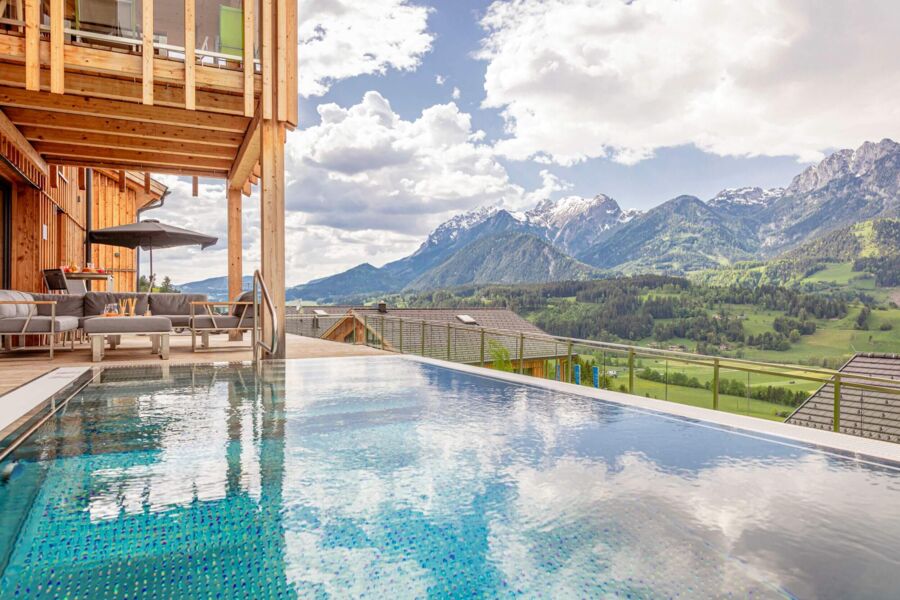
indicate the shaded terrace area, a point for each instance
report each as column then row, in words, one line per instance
column 22, row 367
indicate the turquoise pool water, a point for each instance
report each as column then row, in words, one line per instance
column 384, row 477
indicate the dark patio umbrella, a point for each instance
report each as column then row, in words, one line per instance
column 148, row 235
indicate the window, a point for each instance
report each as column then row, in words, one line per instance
column 467, row 319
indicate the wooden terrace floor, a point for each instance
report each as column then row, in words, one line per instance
column 20, row 367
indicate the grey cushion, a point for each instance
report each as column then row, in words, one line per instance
column 174, row 304
column 221, row 322
column 95, row 302
column 177, row 320
column 127, row 325
column 239, row 309
column 70, row 305
column 15, row 310
column 38, row 324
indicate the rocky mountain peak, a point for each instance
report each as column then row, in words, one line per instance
column 841, row 164
column 745, row 196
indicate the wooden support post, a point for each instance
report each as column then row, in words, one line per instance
column 147, row 52
column 836, row 424
column 123, row 181
column 715, row 384
column 281, row 59
column 32, row 45
column 272, row 221
column 268, row 59
column 190, row 58
column 195, row 186
column 292, row 75
column 249, row 66
column 57, row 58
column 147, row 183
column 54, row 176
column 82, row 179
column 235, row 248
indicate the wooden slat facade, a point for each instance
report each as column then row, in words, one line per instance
column 49, row 226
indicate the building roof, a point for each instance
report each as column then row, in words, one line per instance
column 465, row 339
column 863, row 413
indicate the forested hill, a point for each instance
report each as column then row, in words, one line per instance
column 869, row 248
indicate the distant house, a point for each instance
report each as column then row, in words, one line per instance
column 453, row 333
column 864, row 413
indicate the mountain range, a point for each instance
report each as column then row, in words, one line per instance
column 576, row 238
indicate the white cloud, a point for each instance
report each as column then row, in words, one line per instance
column 591, row 78
column 346, row 38
column 364, row 167
column 456, row 93
column 440, row 79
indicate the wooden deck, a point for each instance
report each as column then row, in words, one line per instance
column 20, row 367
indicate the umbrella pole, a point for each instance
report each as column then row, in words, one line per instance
column 152, row 274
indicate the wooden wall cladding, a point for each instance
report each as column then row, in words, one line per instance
column 49, row 228
column 113, row 207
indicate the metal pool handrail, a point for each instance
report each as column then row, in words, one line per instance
column 259, row 284
column 823, row 376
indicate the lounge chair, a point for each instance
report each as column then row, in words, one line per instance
column 22, row 314
column 240, row 318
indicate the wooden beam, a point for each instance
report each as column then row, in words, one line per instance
column 148, row 183
column 82, row 179
column 147, row 51
column 155, row 168
column 195, row 187
column 13, row 133
column 123, row 181
column 54, row 177
column 247, row 189
column 136, row 158
column 272, row 222
column 247, row 155
column 267, row 56
column 57, row 60
column 281, row 58
column 190, row 58
column 22, row 117
column 249, row 64
column 32, row 44
column 293, row 117
column 128, row 111
column 114, row 88
column 87, row 137
column 235, row 242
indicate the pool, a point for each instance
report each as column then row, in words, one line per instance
column 369, row 477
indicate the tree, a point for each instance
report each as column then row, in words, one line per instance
column 499, row 356
column 143, row 284
column 167, row 286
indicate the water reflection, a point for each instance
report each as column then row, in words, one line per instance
column 353, row 477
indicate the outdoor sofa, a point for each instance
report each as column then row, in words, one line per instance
column 52, row 314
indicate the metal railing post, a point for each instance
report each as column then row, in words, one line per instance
column 631, row 371
column 837, row 403
column 382, row 333
column 716, row 385
column 482, row 346
column 569, row 364
column 401, row 336
column 423, row 337
column 521, row 354
column 448, row 342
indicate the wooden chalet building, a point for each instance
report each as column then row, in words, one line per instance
column 97, row 95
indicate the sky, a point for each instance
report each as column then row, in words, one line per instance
column 415, row 110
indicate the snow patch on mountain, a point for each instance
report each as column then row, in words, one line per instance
column 746, row 196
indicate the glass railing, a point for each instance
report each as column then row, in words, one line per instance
column 118, row 25
column 758, row 389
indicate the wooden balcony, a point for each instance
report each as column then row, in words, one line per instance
column 145, row 98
